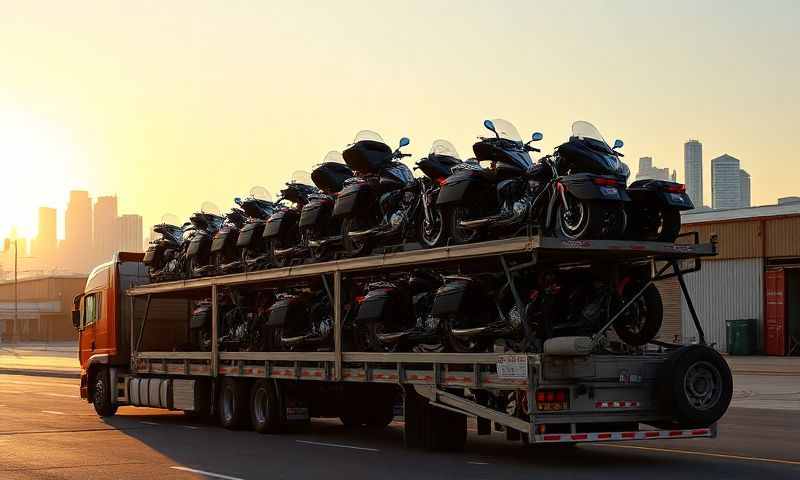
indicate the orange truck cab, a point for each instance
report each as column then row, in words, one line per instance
column 101, row 315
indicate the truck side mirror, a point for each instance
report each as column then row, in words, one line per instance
column 76, row 318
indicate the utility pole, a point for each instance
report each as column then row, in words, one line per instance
column 16, row 292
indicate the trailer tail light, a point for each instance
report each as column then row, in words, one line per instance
column 676, row 188
column 605, row 182
column 552, row 400
column 442, row 181
column 360, row 299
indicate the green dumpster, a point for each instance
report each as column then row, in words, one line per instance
column 741, row 336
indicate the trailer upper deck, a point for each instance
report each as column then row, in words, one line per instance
column 538, row 249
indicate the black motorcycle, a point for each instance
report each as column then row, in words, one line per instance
column 654, row 214
column 223, row 245
column 250, row 244
column 380, row 204
column 394, row 314
column 164, row 255
column 206, row 223
column 282, row 231
column 320, row 231
column 437, row 167
column 301, row 320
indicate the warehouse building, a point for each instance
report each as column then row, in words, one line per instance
column 41, row 310
column 755, row 276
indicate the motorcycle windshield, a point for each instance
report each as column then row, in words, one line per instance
column 444, row 148
column 302, row 177
column 368, row 135
column 333, row 156
column 583, row 129
column 169, row 232
column 260, row 193
column 506, row 130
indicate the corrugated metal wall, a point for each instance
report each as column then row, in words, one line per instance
column 783, row 237
column 724, row 290
column 736, row 239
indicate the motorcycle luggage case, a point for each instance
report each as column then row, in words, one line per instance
column 582, row 186
column 330, row 176
column 315, row 213
column 654, row 192
column 249, row 233
column 464, row 187
column 390, row 305
column 197, row 244
column 367, row 156
column 353, row 198
column 452, row 298
column 437, row 166
column 153, row 251
column 280, row 223
column 221, row 239
column 282, row 311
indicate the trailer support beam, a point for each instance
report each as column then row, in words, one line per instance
column 678, row 273
column 337, row 325
column 214, row 331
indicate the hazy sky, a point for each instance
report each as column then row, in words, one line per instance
column 172, row 103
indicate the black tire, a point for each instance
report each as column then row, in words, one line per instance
column 101, row 394
column 264, row 408
column 590, row 219
column 433, row 233
column 670, row 225
column 641, row 322
column 457, row 234
column 696, row 386
column 351, row 418
column 446, row 431
column 356, row 247
column 233, row 403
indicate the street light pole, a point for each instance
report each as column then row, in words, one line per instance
column 16, row 293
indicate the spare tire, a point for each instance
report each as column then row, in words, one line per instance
column 696, row 386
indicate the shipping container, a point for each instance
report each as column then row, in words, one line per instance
column 724, row 290
column 775, row 319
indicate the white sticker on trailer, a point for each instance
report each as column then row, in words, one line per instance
column 512, row 366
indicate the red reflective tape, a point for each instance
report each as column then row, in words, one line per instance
column 580, row 436
column 651, row 434
column 701, row 431
column 628, row 434
column 550, row 438
column 603, row 436
column 676, row 433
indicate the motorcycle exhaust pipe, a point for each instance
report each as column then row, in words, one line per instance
column 496, row 330
column 473, row 224
column 391, row 337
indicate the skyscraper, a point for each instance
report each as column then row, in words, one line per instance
column 76, row 254
column 725, row 182
column 130, row 233
column 648, row 171
column 44, row 246
column 105, row 238
column 693, row 171
column 744, row 188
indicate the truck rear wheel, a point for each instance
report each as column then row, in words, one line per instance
column 264, row 408
column 697, row 386
column 101, row 394
column 430, row 427
column 233, row 403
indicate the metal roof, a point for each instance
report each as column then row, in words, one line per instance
column 749, row 213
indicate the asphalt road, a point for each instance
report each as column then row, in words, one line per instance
column 47, row 432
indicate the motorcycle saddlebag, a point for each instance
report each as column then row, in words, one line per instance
column 583, row 186
column 452, row 298
column 660, row 193
column 437, row 166
column 464, row 187
column 222, row 239
column 198, row 243
column 315, row 213
column 153, row 251
column 249, row 233
column 330, row 176
column 283, row 311
column 392, row 305
column 367, row 156
column 353, row 198
column 280, row 223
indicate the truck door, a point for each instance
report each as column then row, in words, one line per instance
column 90, row 314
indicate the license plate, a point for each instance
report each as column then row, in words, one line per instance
column 609, row 192
column 676, row 197
column 512, row 366
column 296, row 414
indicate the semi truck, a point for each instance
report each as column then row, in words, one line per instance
column 139, row 346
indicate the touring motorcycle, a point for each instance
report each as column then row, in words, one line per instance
column 165, row 255
column 300, row 320
column 282, row 231
column 437, row 167
column 258, row 207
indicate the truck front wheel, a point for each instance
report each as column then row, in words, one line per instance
column 101, row 394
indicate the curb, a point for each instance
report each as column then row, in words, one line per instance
column 39, row 373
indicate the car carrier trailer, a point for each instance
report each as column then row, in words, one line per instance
column 565, row 394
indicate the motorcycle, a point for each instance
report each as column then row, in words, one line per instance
column 437, row 167
column 206, row 223
column 250, row 245
column 223, row 245
column 381, row 202
column 161, row 257
column 320, row 232
column 394, row 314
column 654, row 213
column 300, row 321
column 282, row 231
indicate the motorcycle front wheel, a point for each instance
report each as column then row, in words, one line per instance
column 431, row 232
column 589, row 219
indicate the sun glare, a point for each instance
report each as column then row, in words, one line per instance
column 35, row 157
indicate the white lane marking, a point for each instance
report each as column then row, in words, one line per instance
column 42, row 384
column 62, row 395
column 702, row 454
column 149, row 423
column 478, row 463
column 11, row 391
column 190, row 427
column 2, row 405
column 203, row 472
column 324, row 444
column 53, row 412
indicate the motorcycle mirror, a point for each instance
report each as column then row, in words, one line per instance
column 490, row 126
column 404, row 141
column 618, row 143
column 237, row 201
column 536, row 136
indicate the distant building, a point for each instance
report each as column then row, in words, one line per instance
column 130, row 233
column 725, row 182
column 693, row 170
column 45, row 245
column 43, row 308
column 105, row 235
column 648, row 171
column 77, row 246
column 744, row 189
